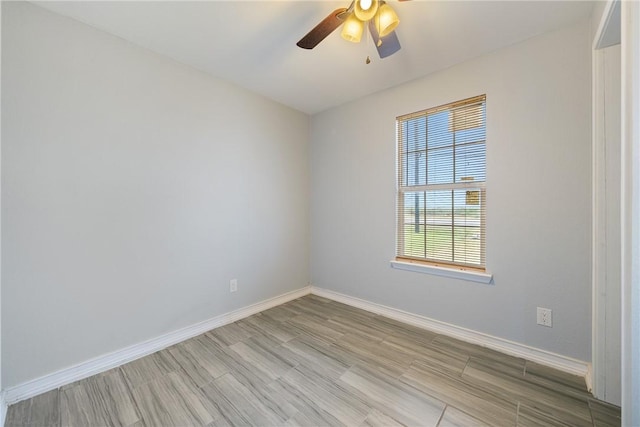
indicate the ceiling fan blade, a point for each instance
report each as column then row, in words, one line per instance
column 322, row 30
column 387, row 45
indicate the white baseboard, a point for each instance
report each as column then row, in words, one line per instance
column 588, row 378
column 111, row 360
column 543, row 357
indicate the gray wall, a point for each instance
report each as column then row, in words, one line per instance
column 133, row 189
column 538, row 190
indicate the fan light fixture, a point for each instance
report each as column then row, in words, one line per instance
column 352, row 29
column 374, row 14
column 383, row 16
column 365, row 9
column 386, row 20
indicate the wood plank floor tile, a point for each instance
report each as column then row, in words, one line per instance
column 552, row 379
column 405, row 404
column 244, row 371
column 438, row 358
column 347, row 310
column 317, row 298
column 149, row 368
column 259, row 336
column 116, row 398
column 42, row 410
column 307, row 419
column 199, row 363
column 604, row 414
column 337, row 353
column 368, row 352
column 277, row 399
column 263, row 358
column 477, row 351
column 220, row 422
column 272, row 397
column 78, row 409
column 314, row 327
column 173, row 400
column 239, row 405
column 99, row 400
column 453, row 417
column 327, row 311
column 403, row 330
column 378, row 419
column 332, row 311
column 560, row 406
column 308, row 412
column 307, row 307
column 268, row 326
column 280, row 313
column 319, row 358
column 229, row 413
column 228, row 334
column 530, row 417
column 559, row 377
column 330, row 396
column 365, row 328
column 492, row 365
column 453, row 390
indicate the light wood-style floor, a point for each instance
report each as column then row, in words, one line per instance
column 315, row 362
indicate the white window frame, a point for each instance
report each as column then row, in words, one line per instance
column 426, row 265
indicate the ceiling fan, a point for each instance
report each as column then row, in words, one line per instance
column 376, row 14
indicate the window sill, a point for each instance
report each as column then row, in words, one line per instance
column 472, row 276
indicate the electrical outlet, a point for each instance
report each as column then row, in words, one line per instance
column 233, row 285
column 544, row 317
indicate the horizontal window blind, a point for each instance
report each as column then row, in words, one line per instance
column 441, row 184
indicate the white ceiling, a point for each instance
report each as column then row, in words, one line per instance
column 254, row 43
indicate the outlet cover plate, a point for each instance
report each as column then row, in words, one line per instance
column 233, row 285
column 544, row 317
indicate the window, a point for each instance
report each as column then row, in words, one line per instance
column 441, row 185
